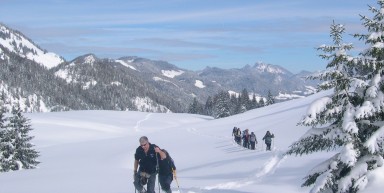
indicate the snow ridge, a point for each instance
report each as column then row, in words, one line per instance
column 19, row 44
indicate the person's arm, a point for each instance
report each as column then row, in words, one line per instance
column 135, row 165
column 161, row 153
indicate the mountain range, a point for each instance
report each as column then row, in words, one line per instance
column 42, row 81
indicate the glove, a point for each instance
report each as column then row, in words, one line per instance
column 143, row 180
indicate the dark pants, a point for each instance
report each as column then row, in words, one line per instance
column 268, row 146
column 165, row 182
column 238, row 140
column 245, row 143
column 151, row 182
column 253, row 144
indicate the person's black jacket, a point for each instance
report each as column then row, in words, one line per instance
column 166, row 165
column 147, row 162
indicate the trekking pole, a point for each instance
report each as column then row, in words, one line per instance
column 157, row 171
column 177, row 182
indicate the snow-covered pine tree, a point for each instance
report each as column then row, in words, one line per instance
column 24, row 154
column 270, row 99
column 244, row 100
column 2, row 134
column 7, row 149
column 351, row 120
column 208, row 107
column 253, row 102
column 195, row 107
column 221, row 105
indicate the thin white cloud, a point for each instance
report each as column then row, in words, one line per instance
column 178, row 30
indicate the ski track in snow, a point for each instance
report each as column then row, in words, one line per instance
column 196, row 132
column 137, row 129
column 269, row 167
column 137, row 126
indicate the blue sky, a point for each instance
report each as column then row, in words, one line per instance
column 190, row 34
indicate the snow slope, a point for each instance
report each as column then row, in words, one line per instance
column 92, row 152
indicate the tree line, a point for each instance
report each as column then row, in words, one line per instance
column 224, row 104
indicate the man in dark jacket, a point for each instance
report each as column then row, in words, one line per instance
column 166, row 168
column 268, row 140
column 147, row 156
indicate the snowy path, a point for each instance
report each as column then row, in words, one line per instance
column 269, row 162
column 138, row 123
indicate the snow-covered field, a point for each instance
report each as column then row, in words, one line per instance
column 93, row 152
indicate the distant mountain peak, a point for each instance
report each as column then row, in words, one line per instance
column 85, row 59
column 19, row 44
column 263, row 67
column 128, row 59
column 90, row 59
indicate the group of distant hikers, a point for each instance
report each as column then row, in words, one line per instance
column 150, row 161
column 249, row 140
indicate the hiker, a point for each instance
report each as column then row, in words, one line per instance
column 238, row 136
column 253, row 140
column 234, row 131
column 268, row 140
column 166, row 169
column 145, row 167
column 246, row 138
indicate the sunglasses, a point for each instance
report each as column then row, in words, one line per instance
column 144, row 145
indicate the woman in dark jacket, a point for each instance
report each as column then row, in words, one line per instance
column 166, row 168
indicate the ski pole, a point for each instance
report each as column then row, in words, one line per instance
column 177, row 182
column 158, row 182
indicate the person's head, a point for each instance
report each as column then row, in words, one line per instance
column 268, row 132
column 144, row 143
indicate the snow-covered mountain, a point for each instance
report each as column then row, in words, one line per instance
column 93, row 152
column 262, row 78
column 43, row 81
column 17, row 43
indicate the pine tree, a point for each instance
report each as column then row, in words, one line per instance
column 234, row 104
column 221, row 105
column 261, row 102
column 2, row 136
column 253, row 102
column 195, row 107
column 270, row 99
column 24, row 154
column 208, row 107
column 7, row 148
column 244, row 100
column 353, row 114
